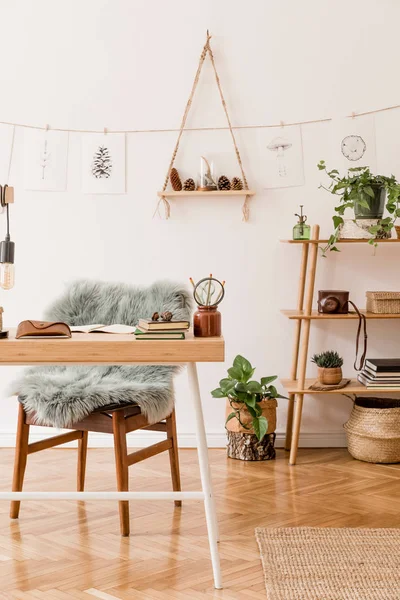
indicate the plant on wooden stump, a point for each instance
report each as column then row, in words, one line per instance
column 364, row 192
column 329, row 365
column 245, row 394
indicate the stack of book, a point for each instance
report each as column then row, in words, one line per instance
column 161, row 330
column 381, row 373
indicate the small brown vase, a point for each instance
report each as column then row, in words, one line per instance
column 330, row 376
column 207, row 322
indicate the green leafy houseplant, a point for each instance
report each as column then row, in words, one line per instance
column 244, row 393
column 327, row 360
column 358, row 190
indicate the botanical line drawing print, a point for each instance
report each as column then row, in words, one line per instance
column 279, row 145
column 353, row 147
column 102, row 163
column 44, row 158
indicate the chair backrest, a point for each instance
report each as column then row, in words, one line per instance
column 87, row 302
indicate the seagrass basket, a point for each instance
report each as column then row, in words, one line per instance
column 373, row 430
column 383, row 302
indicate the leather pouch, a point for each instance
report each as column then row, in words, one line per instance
column 42, row 329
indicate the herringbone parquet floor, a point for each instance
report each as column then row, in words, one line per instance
column 62, row 550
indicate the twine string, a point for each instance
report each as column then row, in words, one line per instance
column 163, row 199
column 222, row 128
column 245, row 208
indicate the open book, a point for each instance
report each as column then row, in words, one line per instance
column 99, row 328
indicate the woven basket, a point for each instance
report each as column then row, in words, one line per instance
column 383, row 302
column 397, row 228
column 373, row 430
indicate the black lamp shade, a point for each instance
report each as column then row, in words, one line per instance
column 7, row 251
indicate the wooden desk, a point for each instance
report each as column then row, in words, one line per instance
column 109, row 349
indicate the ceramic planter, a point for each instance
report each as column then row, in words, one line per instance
column 359, row 229
column 330, row 376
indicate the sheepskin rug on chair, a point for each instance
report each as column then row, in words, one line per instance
column 60, row 396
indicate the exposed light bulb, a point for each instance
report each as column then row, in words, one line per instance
column 7, row 276
column 7, row 247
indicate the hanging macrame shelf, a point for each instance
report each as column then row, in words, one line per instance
column 245, row 192
column 173, row 194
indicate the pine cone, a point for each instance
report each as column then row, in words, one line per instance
column 224, row 183
column 189, row 185
column 237, row 183
column 166, row 316
column 155, row 316
column 175, row 180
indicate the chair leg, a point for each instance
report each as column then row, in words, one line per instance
column 82, row 454
column 121, row 464
column 21, row 454
column 173, row 455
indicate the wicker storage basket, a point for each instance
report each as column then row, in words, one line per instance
column 383, row 302
column 373, row 430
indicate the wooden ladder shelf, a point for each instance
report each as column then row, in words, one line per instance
column 297, row 385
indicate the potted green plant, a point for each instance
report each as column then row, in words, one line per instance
column 329, row 365
column 251, row 412
column 366, row 194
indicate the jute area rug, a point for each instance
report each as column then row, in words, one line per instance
column 307, row 563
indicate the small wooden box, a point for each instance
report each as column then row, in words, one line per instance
column 9, row 195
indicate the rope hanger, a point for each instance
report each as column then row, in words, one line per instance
column 206, row 50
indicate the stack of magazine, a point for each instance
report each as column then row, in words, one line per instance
column 161, row 330
column 381, row 373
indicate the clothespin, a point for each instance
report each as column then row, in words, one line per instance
column 353, row 114
column 47, row 127
column 282, row 124
column 105, row 131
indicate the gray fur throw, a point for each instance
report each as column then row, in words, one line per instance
column 61, row 396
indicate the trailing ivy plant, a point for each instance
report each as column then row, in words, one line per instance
column 246, row 393
column 357, row 188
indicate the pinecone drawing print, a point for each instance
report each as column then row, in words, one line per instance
column 102, row 164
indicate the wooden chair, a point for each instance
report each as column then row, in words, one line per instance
column 112, row 419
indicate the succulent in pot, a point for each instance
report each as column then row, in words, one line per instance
column 329, row 365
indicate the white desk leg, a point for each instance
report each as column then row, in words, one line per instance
column 209, row 503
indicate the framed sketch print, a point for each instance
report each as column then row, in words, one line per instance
column 281, row 149
column 354, row 142
column 103, row 163
column 45, row 159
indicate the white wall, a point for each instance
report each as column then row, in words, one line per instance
column 130, row 64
